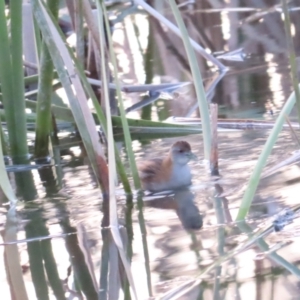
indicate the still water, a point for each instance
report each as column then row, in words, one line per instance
column 178, row 251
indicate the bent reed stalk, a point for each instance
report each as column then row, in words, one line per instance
column 262, row 160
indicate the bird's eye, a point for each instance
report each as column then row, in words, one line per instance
column 180, row 151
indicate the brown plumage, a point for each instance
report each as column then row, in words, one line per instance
column 170, row 172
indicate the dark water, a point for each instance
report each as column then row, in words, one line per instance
column 58, row 218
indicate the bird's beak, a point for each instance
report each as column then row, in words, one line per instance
column 192, row 156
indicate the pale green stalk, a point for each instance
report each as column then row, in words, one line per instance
column 264, row 247
column 130, row 153
column 113, row 215
column 127, row 137
column 200, row 92
column 262, row 160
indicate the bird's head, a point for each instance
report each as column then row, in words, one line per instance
column 181, row 153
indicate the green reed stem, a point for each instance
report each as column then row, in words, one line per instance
column 127, row 137
column 3, row 141
column 99, row 112
column 200, row 92
column 113, row 215
column 261, row 162
column 74, row 90
column 43, row 109
column 264, row 247
column 292, row 55
column 12, row 79
column 18, row 78
column 38, row 40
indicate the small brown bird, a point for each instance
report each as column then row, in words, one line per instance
column 171, row 172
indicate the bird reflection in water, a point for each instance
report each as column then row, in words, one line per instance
column 182, row 201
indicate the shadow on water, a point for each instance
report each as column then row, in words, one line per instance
column 183, row 244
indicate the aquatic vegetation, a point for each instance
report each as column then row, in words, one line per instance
column 94, row 87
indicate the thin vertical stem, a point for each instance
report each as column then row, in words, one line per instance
column 19, row 148
column 125, row 126
column 12, row 79
column 200, row 92
column 43, row 109
column 292, row 55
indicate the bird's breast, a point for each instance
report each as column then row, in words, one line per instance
column 181, row 175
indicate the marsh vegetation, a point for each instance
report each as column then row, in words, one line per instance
column 89, row 89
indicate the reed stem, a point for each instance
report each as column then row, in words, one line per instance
column 201, row 97
column 262, row 160
column 12, row 79
column 43, row 109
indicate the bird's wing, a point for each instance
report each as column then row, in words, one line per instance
column 150, row 168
